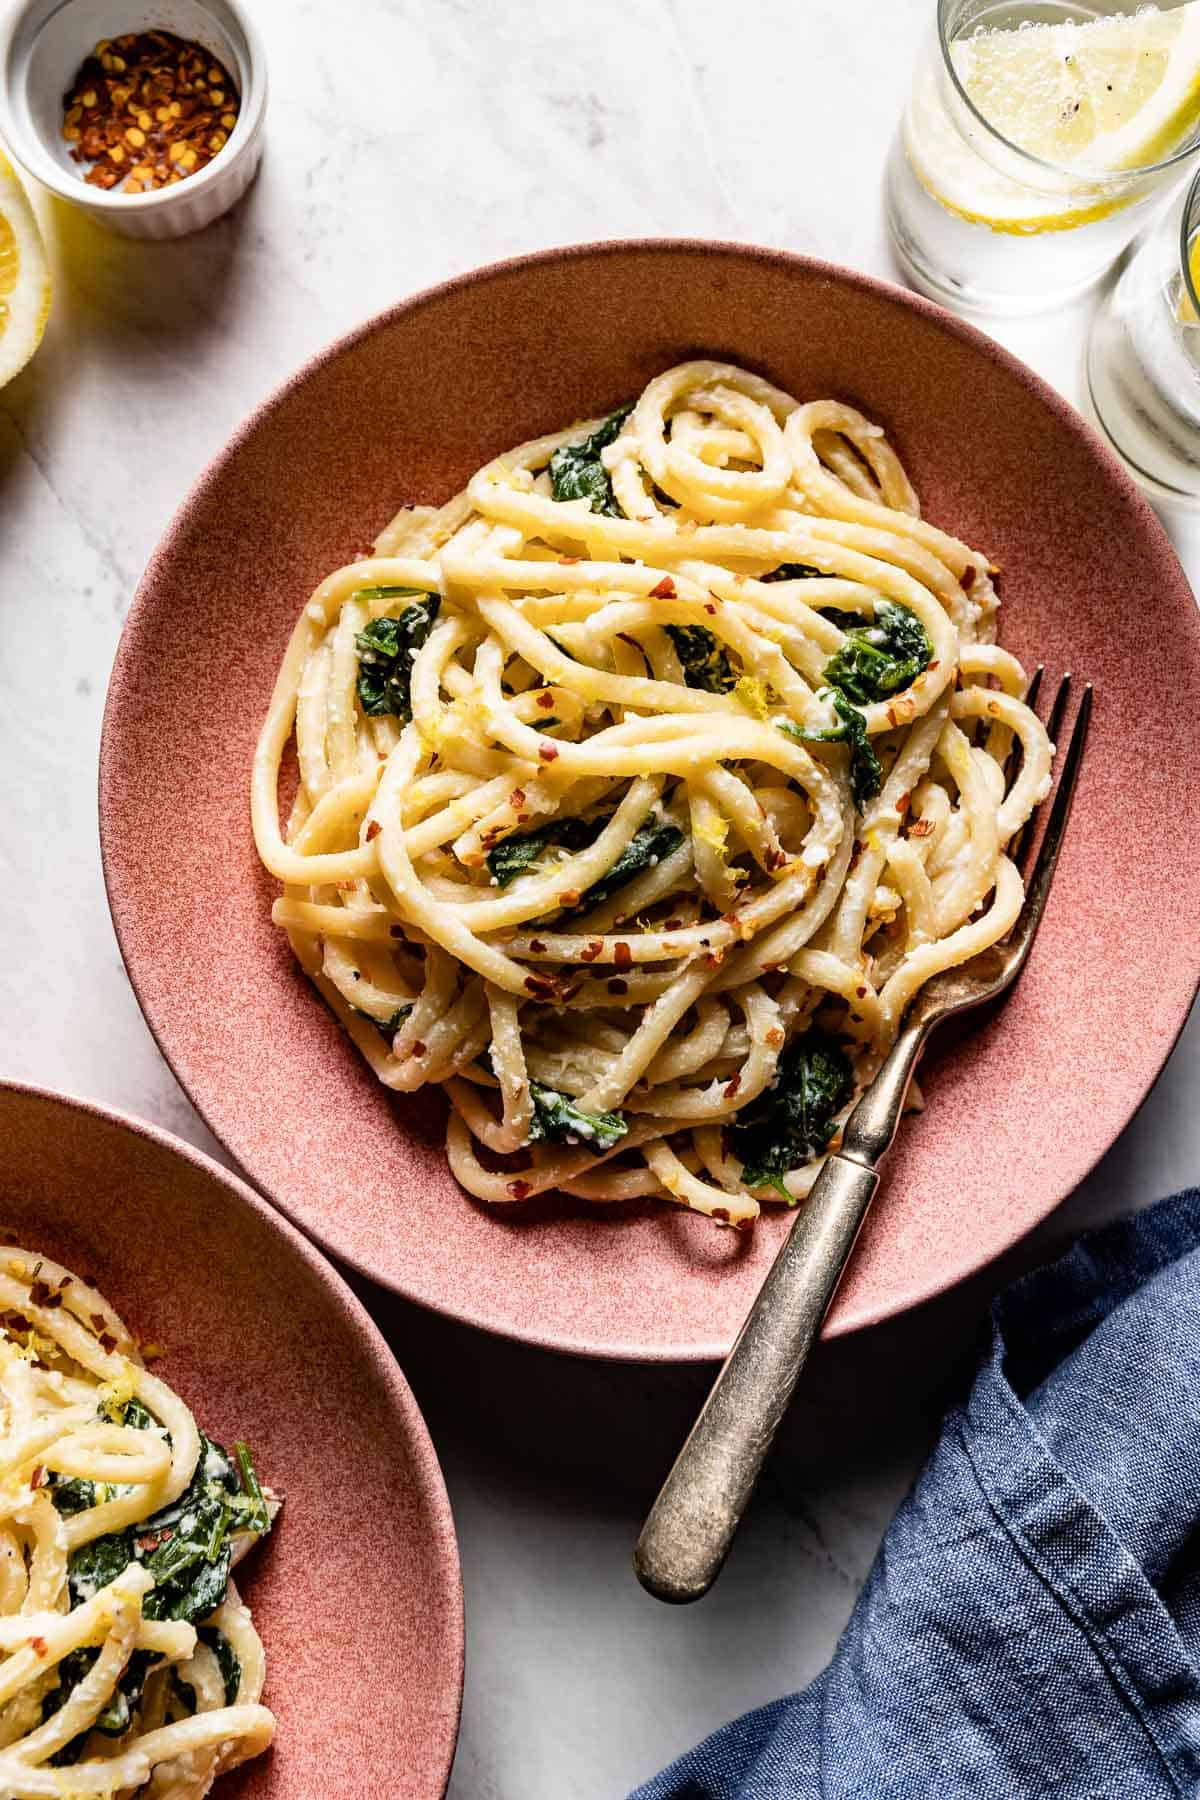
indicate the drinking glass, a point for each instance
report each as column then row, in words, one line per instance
column 1143, row 361
column 983, row 225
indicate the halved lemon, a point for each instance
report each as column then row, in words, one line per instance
column 1094, row 98
column 24, row 277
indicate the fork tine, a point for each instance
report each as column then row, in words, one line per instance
column 1059, row 710
column 1021, row 848
column 1038, row 885
column 1035, row 685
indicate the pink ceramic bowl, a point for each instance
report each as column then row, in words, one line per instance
column 1020, row 1106
column 356, row 1594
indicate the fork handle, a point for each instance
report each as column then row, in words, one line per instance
column 692, row 1523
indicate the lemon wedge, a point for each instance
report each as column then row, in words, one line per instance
column 24, row 277
column 1185, row 312
column 1097, row 98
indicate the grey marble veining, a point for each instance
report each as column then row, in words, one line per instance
column 409, row 140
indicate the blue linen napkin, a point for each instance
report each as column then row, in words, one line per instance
column 1031, row 1626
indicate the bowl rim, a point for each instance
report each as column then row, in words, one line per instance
column 584, row 1341
column 30, row 151
column 374, row 1344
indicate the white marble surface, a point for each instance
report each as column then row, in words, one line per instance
column 408, row 140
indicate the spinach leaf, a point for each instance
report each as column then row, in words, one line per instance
column 649, row 844
column 866, row 772
column 74, row 1494
column 556, row 1117
column 652, row 841
column 94, row 1565
column 515, row 855
column 705, row 664
column 387, row 1028
column 881, row 656
column 386, row 648
column 576, row 472
column 227, row 1657
column 793, row 1121
column 793, row 572
column 117, row 1715
column 256, row 1517
column 187, row 1548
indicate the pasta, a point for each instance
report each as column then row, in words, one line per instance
column 641, row 786
column 128, row 1663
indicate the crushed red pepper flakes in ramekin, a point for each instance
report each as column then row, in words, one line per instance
column 148, row 109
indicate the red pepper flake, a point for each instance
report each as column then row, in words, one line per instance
column 537, row 946
column 541, row 987
column 548, row 753
column 777, row 859
column 921, row 828
column 903, row 803
column 968, row 575
column 520, row 1190
column 38, row 1645
column 891, row 715
column 148, row 109
column 570, row 559
column 732, row 1086
column 592, row 950
column 930, row 667
column 665, row 589
column 617, row 986
column 775, row 1036
column 108, row 1342
column 710, row 608
column 38, row 1478
column 861, row 992
column 622, row 956
column 373, row 830
column 545, row 700
column 419, row 1049
column 720, row 1214
column 570, row 897
column 517, row 799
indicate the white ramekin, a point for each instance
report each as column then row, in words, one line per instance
column 43, row 43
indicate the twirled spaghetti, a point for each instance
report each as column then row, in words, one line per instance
column 642, row 785
column 128, row 1663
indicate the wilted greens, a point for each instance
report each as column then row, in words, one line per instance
column 793, row 1121
column 577, row 473
column 386, row 648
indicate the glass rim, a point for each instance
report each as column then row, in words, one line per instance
column 1114, row 178
column 1190, row 206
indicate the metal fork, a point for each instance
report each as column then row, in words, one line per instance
column 689, row 1530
